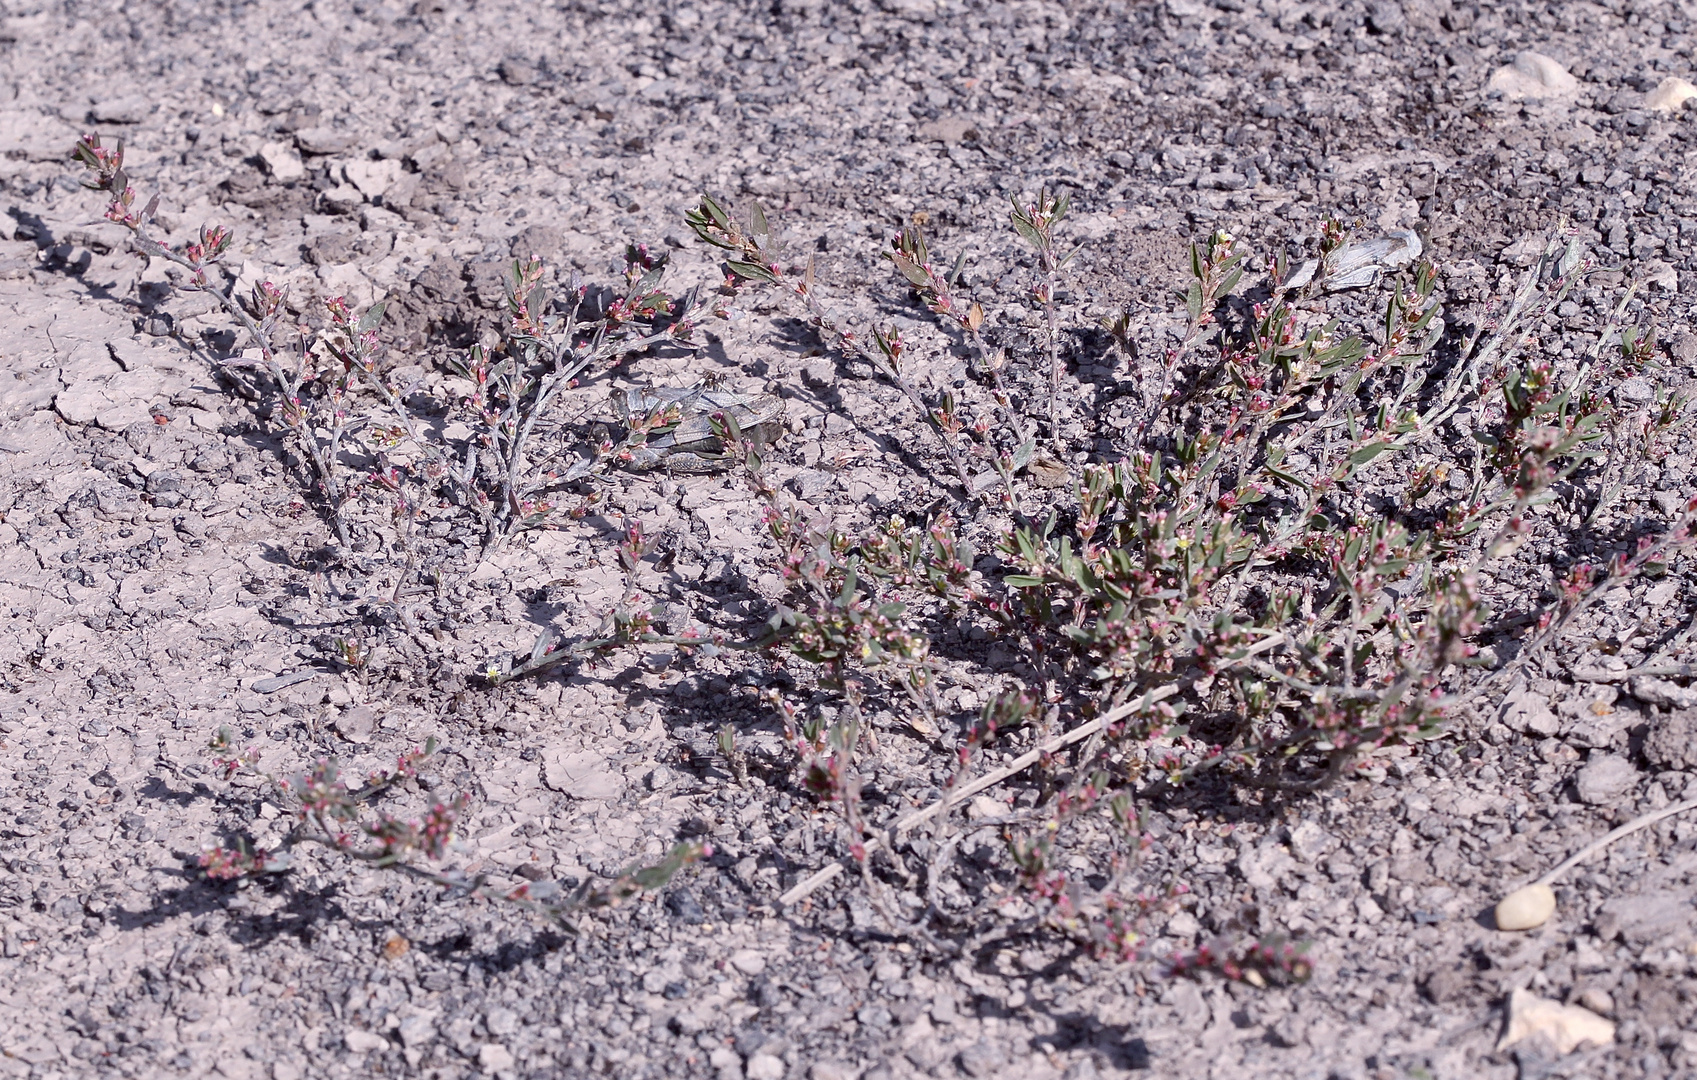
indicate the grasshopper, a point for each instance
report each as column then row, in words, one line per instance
column 679, row 425
column 1361, row 265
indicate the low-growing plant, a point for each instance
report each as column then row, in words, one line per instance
column 346, row 820
column 1279, row 569
column 1265, row 502
column 548, row 344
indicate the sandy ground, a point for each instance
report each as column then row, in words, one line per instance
column 161, row 560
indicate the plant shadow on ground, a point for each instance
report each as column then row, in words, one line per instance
column 803, row 341
column 159, row 791
column 303, row 908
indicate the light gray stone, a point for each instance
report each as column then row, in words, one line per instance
column 1605, row 779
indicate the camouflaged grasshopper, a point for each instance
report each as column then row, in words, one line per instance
column 678, row 423
column 1360, row 265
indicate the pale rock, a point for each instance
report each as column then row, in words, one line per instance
column 748, row 961
column 1534, row 75
column 1683, row 347
column 1597, row 1000
column 689, row 1023
column 372, row 178
column 949, row 129
column 1648, row 917
column 341, row 198
column 1308, row 841
column 1672, row 740
column 361, row 1041
column 1530, row 712
column 501, row 1022
column 1526, row 908
column 1183, row 925
column 357, row 724
column 129, row 354
column 1659, row 273
column 983, row 806
column 349, row 282
column 725, row 1060
column 585, row 775
column 1663, row 692
column 1670, row 94
column 1568, row 1027
column 493, row 1057
column 731, row 524
column 89, row 402
column 124, row 110
column 1662, row 594
column 1605, row 778
column 417, row 1029
column 830, row 1070
column 765, row 1067
column 1367, row 910
column 283, row 162
column 78, row 402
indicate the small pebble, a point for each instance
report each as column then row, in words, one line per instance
column 493, row 1057
column 765, row 1067
column 1527, row 908
column 1598, row 1001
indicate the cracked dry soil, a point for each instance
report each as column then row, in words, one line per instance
column 159, row 562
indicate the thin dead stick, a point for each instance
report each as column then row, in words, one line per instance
column 807, row 885
column 1608, row 838
column 1647, row 671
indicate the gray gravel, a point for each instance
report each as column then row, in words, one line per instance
column 165, row 578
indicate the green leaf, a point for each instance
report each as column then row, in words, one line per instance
column 716, row 212
column 371, row 318
column 1229, row 283
column 910, row 269
column 1193, row 300
column 1021, row 581
column 1022, row 454
column 851, row 581
column 1368, row 453
column 757, row 223
column 752, row 271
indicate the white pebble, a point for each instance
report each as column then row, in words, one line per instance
column 1526, row 908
